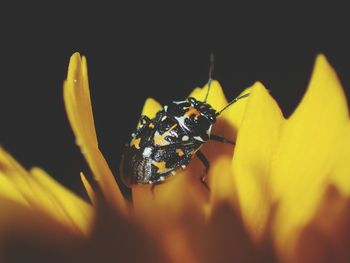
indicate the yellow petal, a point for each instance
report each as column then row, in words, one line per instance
column 91, row 193
column 151, row 107
column 256, row 141
column 9, row 190
column 17, row 178
column 42, row 193
column 306, row 156
column 23, row 182
column 78, row 106
column 77, row 80
column 77, row 211
column 222, row 183
column 233, row 115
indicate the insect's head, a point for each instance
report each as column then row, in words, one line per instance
column 204, row 109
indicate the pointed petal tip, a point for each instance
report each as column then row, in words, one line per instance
column 88, row 188
column 83, row 59
column 75, row 55
column 77, row 66
column 74, row 67
column 216, row 83
column 151, row 101
column 215, row 87
column 321, row 58
column 324, row 67
column 257, row 87
column 151, row 107
column 74, row 60
column 324, row 84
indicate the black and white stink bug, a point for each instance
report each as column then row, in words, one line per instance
column 170, row 140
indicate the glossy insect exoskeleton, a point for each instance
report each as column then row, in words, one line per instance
column 169, row 141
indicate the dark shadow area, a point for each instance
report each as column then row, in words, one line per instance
column 148, row 51
column 327, row 237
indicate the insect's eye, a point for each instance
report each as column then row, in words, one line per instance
column 200, row 126
column 192, row 100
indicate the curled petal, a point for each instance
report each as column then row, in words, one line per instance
column 79, row 110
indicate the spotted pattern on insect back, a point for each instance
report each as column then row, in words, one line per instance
column 167, row 142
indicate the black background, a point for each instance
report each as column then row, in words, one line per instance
column 158, row 50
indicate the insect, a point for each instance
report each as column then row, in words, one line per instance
column 170, row 140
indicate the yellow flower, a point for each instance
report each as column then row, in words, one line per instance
column 282, row 194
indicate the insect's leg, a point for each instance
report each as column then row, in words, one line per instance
column 144, row 119
column 157, row 182
column 204, row 160
column 218, row 138
column 206, row 164
column 152, row 188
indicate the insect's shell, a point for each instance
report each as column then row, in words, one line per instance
column 167, row 142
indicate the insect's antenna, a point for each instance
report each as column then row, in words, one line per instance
column 232, row 102
column 211, row 69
